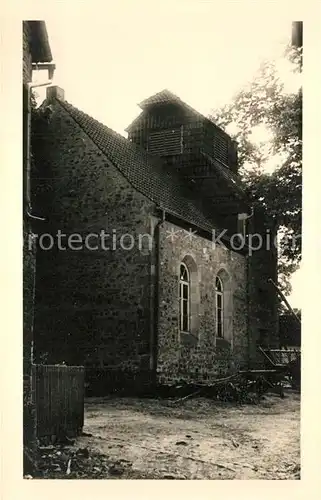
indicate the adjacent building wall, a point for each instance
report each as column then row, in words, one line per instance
column 29, row 262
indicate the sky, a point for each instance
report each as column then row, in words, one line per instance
column 107, row 61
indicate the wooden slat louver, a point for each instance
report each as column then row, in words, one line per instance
column 220, row 148
column 165, row 142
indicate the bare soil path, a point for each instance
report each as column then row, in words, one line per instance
column 197, row 438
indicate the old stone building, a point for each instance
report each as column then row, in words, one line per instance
column 145, row 270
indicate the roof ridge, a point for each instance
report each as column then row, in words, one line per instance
column 117, row 134
column 168, row 93
column 135, row 147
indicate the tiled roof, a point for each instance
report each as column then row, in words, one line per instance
column 147, row 174
column 163, row 97
column 227, row 173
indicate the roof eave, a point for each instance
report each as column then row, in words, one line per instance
column 39, row 42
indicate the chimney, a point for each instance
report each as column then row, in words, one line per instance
column 55, row 92
column 297, row 34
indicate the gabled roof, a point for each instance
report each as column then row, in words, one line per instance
column 147, row 174
column 165, row 96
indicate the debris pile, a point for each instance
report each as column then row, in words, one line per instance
column 236, row 388
column 68, row 462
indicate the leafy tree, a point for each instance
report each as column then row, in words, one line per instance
column 266, row 104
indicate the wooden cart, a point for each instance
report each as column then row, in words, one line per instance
column 286, row 362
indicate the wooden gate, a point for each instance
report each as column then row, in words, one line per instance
column 59, row 395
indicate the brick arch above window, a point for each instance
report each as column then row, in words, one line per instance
column 189, row 261
column 225, row 278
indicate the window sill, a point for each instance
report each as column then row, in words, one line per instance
column 188, row 339
column 223, row 344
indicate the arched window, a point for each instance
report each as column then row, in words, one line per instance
column 184, row 298
column 219, row 305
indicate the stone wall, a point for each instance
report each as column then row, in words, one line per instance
column 200, row 355
column 92, row 306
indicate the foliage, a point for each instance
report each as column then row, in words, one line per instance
column 266, row 104
column 33, row 99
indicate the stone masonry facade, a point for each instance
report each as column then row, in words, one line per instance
column 92, row 306
column 200, row 355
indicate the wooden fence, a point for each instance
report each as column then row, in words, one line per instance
column 59, row 393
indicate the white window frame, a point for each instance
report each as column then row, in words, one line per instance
column 219, row 311
column 184, row 283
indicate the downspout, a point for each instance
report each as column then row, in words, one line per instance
column 155, row 299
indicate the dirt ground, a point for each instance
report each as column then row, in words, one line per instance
column 194, row 439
